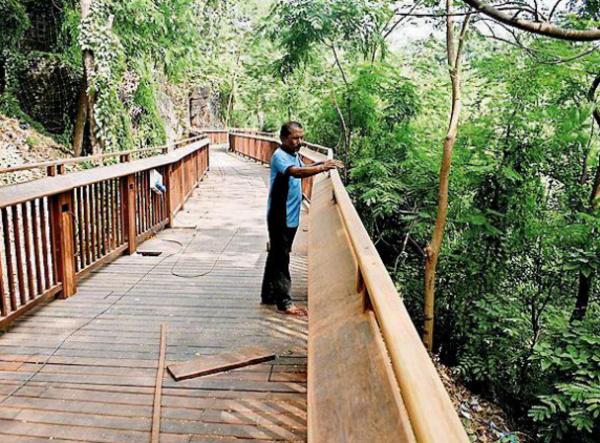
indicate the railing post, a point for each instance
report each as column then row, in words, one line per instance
column 128, row 191
column 168, row 182
column 63, row 244
column 197, row 166
column 181, row 177
column 169, row 194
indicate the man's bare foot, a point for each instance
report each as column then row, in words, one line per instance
column 296, row 310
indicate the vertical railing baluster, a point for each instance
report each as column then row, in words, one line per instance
column 120, row 229
column 9, row 260
column 18, row 255
column 101, row 220
column 87, row 228
column 113, row 212
column 46, row 255
column 3, row 302
column 80, row 228
column 97, row 222
column 35, row 225
column 105, row 218
column 148, row 206
column 29, row 261
column 128, row 207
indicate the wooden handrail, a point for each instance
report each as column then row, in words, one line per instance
column 430, row 409
column 206, row 130
column 327, row 152
column 256, row 137
column 94, row 158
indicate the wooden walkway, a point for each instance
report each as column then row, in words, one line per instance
column 84, row 369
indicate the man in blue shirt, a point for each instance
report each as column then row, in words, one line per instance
column 283, row 216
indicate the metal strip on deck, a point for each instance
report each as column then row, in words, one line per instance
column 84, row 369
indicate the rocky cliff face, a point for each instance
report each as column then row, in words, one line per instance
column 174, row 115
column 203, row 109
column 20, row 144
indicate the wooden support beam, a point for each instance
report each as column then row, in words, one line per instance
column 63, row 245
column 181, row 177
column 3, row 304
column 128, row 191
column 168, row 182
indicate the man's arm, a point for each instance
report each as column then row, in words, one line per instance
column 314, row 169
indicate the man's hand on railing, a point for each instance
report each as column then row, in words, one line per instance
column 331, row 164
column 313, row 168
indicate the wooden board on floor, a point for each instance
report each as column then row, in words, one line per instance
column 220, row 363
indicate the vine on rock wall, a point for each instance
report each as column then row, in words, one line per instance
column 98, row 37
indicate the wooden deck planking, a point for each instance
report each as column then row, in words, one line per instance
column 84, row 369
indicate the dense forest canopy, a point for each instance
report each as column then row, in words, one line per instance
column 470, row 132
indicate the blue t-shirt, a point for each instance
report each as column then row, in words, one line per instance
column 285, row 196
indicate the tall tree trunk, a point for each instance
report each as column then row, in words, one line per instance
column 86, row 99
column 2, row 76
column 583, row 296
column 82, row 108
column 433, row 249
column 233, row 84
column 91, row 103
column 349, row 124
column 585, row 282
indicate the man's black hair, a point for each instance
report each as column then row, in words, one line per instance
column 286, row 128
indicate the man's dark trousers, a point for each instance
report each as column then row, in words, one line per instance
column 277, row 282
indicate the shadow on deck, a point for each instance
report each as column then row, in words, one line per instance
column 84, row 369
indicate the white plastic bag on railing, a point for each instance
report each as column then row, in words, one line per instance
column 156, row 182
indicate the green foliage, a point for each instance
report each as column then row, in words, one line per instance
column 300, row 26
column 149, row 123
column 13, row 23
column 570, row 361
column 98, row 37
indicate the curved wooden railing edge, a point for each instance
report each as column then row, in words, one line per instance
column 432, row 414
column 430, row 408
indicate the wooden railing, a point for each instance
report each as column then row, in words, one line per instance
column 221, row 136
column 58, row 167
column 57, row 229
column 370, row 378
column 216, row 136
column 255, row 132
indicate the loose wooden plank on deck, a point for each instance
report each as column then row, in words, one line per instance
column 220, row 363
